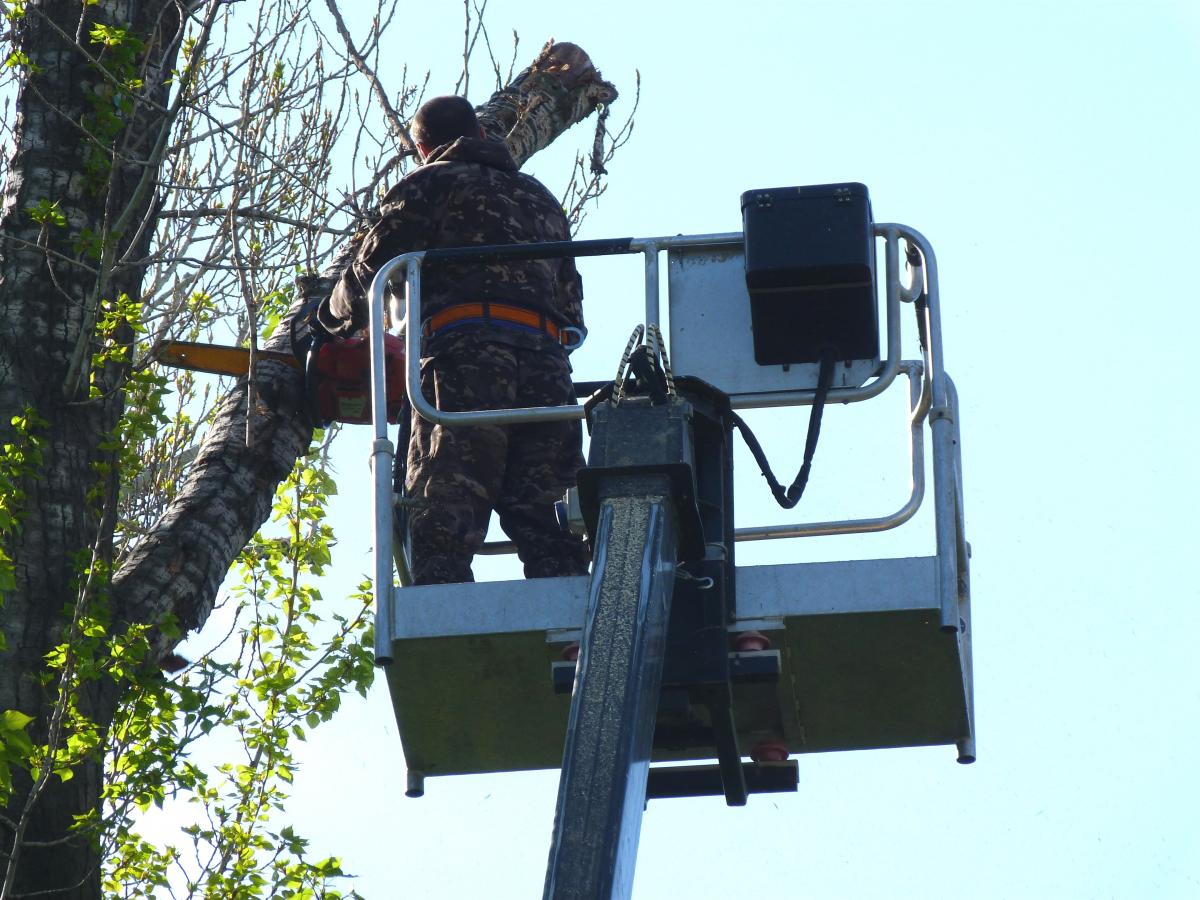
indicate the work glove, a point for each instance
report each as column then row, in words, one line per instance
column 307, row 333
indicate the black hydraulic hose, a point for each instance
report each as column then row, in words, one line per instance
column 913, row 255
column 923, row 320
column 789, row 498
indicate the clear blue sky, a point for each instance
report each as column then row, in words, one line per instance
column 1049, row 152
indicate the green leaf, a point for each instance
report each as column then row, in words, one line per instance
column 45, row 213
column 14, row 720
column 107, row 35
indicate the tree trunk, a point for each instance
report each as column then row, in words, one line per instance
column 49, row 295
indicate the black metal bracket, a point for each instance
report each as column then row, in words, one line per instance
column 638, row 437
column 709, row 781
column 755, row 667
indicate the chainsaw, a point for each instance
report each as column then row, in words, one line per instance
column 337, row 374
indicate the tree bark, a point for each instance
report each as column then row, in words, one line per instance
column 48, row 295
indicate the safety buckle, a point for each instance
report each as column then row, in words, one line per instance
column 579, row 335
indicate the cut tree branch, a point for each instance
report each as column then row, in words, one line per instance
column 177, row 570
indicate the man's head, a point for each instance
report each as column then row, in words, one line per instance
column 442, row 120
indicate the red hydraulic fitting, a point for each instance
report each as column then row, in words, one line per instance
column 769, row 751
column 570, row 653
column 751, row 640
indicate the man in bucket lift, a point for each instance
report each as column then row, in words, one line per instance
column 495, row 335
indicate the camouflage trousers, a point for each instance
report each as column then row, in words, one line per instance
column 462, row 473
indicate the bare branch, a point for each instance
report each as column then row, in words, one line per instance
column 394, row 119
column 207, row 212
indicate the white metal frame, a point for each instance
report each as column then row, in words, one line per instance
column 935, row 402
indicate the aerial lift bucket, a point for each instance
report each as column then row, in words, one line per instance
column 863, row 655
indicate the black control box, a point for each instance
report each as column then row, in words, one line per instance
column 810, row 271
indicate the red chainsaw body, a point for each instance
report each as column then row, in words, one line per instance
column 343, row 382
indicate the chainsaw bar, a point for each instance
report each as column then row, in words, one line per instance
column 217, row 359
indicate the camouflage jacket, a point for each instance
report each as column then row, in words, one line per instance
column 467, row 192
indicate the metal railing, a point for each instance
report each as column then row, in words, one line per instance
column 935, row 402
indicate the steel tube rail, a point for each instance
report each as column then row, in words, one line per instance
column 941, row 424
column 382, row 462
column 650, row 251
column 927, row 389
column 412, row 351
column 882, row 523
column 916, row 283
column 410, row 263
column 549, row 250
column 650, row 247
column 918, row 408
column 964, row 549
column 934, row 393
column 412, row 323
column 966, row 745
